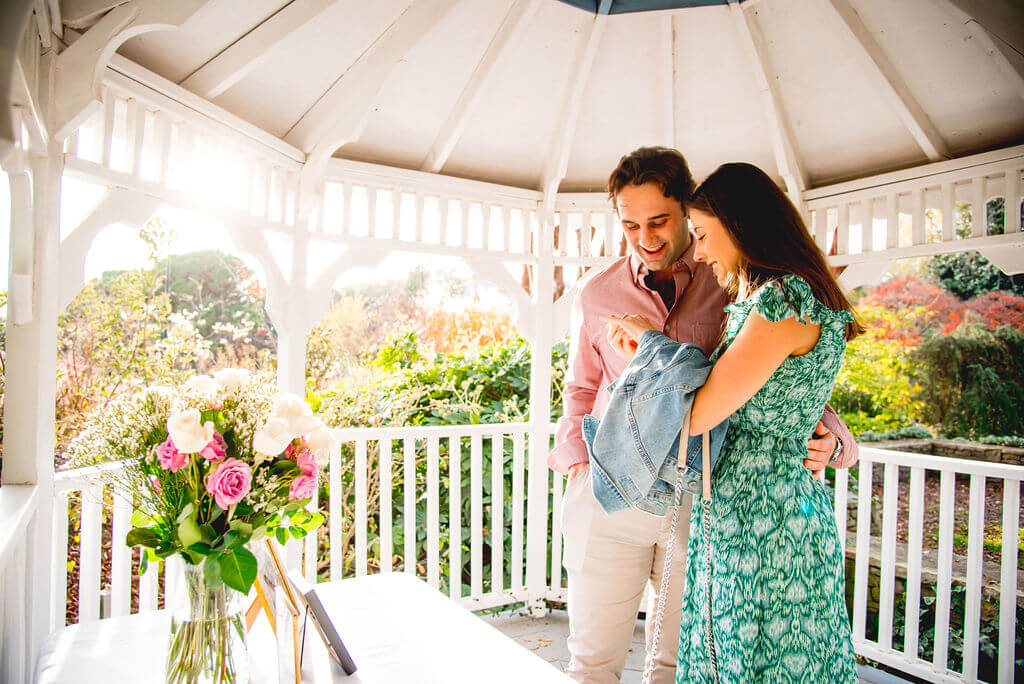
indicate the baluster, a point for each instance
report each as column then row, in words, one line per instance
column 944, row 561
column 121, row 560
column 433, row 512
column 442, row 210
column 59, row 568
column 138, row 139
column 820, row 217
column 396, row 214
column 148, row 585
column 386, row 546
column 979, row 212
column 586, row 230
column 163, row 134
column 71, row 144
column 346, row 210
column 915, row 525
column 867, row 224
column 476, row 516
column 360, row 521
column 890, row 490
column 409, row 514
column 863, row 558
column 310, row 552
column 497, row 513
column 419, row 217
column 1011, row 221
column 334, row 513
column 371, row 211
column 518, row 457
column 892, row 221
column 90, row 536
column 556, row 529
column 948, row 212
column 454, row 517
column 842, row 485
column 1008, row 579
column 975, row 559
column 109, row 102
column 843, row 238
column 506, row 229
column 918, row 229
column 463, row 223
column 609, row 236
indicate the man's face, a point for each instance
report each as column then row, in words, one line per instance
column 654, row 225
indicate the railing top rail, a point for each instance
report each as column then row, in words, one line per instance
column 67, row 480
column 349, row 434
column 942, row 463
column 17, row 504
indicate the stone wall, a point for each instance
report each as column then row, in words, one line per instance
column 955, row 448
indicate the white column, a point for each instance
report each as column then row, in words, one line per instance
column 541, row 343
column 31, row 350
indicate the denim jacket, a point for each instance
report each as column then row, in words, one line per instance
column 634, row 447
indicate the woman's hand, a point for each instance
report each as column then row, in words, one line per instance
column 624, row 332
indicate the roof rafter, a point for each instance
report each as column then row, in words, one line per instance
column 238, row 59
column 787, row 155
column 891, row 85
column 986, row 42
column 81, row 14
column 579, row 75
column 80, row 66
column 453, row 127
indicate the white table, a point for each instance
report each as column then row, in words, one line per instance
column 397, row 629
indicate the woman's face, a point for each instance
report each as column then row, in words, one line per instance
column 715, row 246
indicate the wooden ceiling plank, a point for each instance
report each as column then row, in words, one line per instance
column 241, row 57
column 81, row 14
column 977, row 31
column 787, row 155
column 42, row 12
column 572, row 100
column 453, row 127
column 891, row 85
column 56, row 20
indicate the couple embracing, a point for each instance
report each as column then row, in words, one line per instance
column 747, row 304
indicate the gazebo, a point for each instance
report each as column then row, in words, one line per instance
column 326, row 135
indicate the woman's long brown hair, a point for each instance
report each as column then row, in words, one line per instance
column 769, row 233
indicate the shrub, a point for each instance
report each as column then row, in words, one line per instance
column 972, row 381
column 1002, row 440
column 912, row 432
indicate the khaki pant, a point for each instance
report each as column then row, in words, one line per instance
column 610, row 559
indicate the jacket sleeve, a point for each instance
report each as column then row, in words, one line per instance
column 582, row 383
column 850, row 451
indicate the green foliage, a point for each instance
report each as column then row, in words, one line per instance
column 972, row 381
column 1002, row 440
column 912, row 432
column 875, row 390
column 967, row 275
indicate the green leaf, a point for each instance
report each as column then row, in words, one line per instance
column 259, row 533
column 284, row 466
column 211, row 569
column 241, row 526
column 188, row 532
column 297, row 532
column 208, row 532
column 142, row 536
column 232, row 539
column 140, row 519
column 185, row 512
column 282, row 535
column 314, row 522
column 202, row 549
column 238, row 569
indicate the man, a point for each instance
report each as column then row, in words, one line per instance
column 611, row 558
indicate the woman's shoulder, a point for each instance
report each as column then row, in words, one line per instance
column 791, row 296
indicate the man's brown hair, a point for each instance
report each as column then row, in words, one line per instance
column 661, row 165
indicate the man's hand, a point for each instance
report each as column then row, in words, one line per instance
column 624, row 333
column 819, row 449
column 576, row 468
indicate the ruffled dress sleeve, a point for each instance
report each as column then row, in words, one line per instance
column 791, row 297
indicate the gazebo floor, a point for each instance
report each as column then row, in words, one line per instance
column 546, row 637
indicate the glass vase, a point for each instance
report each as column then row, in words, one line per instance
column 207, row 640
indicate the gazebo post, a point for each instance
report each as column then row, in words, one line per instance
column 540, row 421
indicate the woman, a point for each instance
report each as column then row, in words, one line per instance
column 777, row 592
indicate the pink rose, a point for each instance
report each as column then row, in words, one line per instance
column 169, row 456
column 306, row 463
column 302, row 487
column 229, row 483
column 215, row 451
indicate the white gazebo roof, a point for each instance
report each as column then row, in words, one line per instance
column 515, row 91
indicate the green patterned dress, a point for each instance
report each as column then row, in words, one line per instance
column 778, row 607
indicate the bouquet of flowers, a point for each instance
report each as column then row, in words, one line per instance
column 210, row 466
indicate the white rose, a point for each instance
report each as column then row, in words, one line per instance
column 273, row 437
column 232, row 379
column 321, row 443
column 188, row 435
column 296, row 411
column 304, row 425
column 202, row 384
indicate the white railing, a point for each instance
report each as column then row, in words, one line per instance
column 17, row 572
column 439, row 532
column 881, row 548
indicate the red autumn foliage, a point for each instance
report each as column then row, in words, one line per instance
column 999, row 308
column 923, row 306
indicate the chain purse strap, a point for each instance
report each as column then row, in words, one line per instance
column 659, row 612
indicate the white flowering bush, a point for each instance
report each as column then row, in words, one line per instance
column 211, row 465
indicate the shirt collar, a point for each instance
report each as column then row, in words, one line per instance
column 685, row 263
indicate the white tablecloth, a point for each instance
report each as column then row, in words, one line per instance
column 397, row 629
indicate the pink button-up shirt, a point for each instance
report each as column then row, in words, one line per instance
column 696, row 316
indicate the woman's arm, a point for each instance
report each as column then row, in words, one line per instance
column 758, row 350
